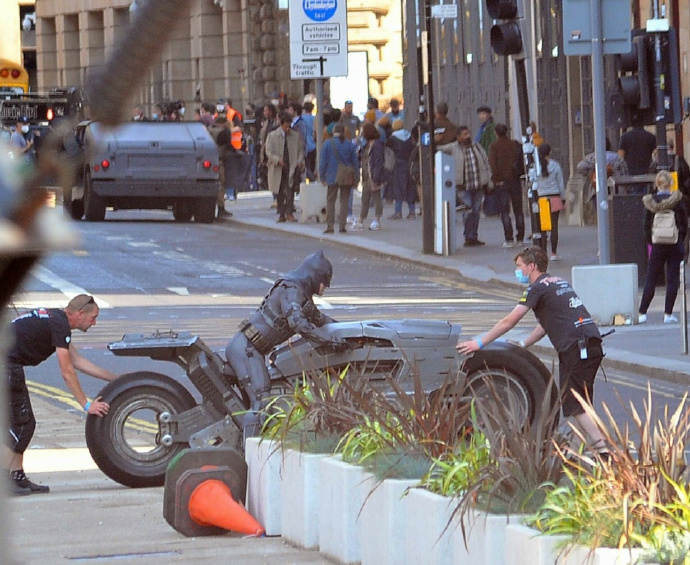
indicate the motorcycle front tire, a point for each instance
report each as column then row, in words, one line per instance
column 108, row 438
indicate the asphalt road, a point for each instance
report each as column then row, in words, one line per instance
column 149, row 273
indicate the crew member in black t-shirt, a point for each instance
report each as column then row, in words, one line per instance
column 562, row 316
column 37, row 334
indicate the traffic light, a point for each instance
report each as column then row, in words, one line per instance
column 637, row 84
column 670, row 78
column 507, row 37
column 635, row 94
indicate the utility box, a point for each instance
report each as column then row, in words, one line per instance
column 444, row 213
column 609, row 292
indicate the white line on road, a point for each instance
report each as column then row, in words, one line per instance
column 67, row 288
column 181, row 290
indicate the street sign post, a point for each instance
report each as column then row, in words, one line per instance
column 318, row 39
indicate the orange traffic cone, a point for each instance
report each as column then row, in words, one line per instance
column 211, row 504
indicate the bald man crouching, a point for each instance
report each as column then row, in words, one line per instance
column 37, row 334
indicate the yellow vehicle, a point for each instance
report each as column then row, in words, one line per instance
column 13, row 78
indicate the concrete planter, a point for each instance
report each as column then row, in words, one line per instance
column 526, row 546
column 300, row 497
column 264, row 480
column 486, row 540
column 340, row 501
column 382, row 529
column 317, row 500
column 429, row 542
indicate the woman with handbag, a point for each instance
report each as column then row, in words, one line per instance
column 550, row 184
column 374, row 176
column 339, row 169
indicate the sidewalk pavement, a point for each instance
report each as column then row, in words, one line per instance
column 653, row 349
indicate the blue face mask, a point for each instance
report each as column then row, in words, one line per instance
column 522, row 278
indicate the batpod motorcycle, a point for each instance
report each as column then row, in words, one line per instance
column 153, row 417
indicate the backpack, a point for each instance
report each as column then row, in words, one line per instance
column 388, row 159
column 664, row 228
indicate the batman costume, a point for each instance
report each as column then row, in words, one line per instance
column 287, row 309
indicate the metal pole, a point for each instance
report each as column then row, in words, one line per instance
column 319, row 122
column 599, row 118
column 683, row 309
column 428, row 24
column 659, row 109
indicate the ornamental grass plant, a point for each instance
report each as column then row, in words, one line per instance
column 638, row 499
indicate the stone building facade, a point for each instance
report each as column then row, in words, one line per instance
column 224, row 48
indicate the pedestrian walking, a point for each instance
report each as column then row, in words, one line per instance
column 564, row 319
column 37, row 335
column 505, row 158
column 284, row 155
column 550, row 184
column 400, row 187
column 374, row 176
column 472, row 176
column 338, row 155
column 665, row 226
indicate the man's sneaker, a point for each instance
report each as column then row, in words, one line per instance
column 554, row 257
column 375, row 225
column 507, row 244
column 642, row 318
column 22, row 481
column 396, row 216
column 352, row 220
column 670, row 319
column 357, row 226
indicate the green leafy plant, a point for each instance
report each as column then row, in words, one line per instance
column 453, row 472
column 639, row 498
column 525, row 463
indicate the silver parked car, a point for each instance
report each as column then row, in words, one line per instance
column 143, row 165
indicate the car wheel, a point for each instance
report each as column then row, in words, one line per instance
column 94, row 205
column 205, row 212
column 182, row 211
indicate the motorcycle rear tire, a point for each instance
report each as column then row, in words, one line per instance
column 513, row 368
column 105, row 437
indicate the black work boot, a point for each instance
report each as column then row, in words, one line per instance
column 20, row 479
column 13, row 489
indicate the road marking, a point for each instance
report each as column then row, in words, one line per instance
column 59, row 395
column 181, row 290
column 67, row 288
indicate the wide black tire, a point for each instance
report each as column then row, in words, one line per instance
column 205, row 210
column 77, row 211
column 513, row 371
column 108, row 438
column 94, row 205
column 183, row 211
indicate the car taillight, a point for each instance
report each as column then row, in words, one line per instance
column 96, row 168
column 4, row 73
column 105, row 163
column 216, row 168
column 207, row 164
column 49, row 114
column 15, row 73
